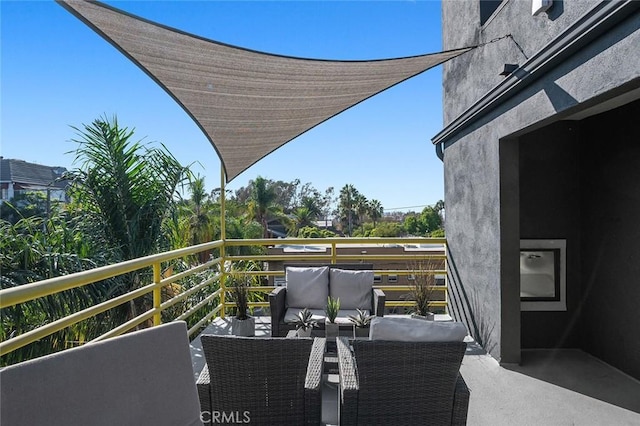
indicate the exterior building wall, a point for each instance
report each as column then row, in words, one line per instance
column 481, row 157
column 470, row 76
column 6, row 191
column 472, row 200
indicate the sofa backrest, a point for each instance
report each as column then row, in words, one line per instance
column 350, row 266
column 139, row 378
column 309, row 285
column 402, row 329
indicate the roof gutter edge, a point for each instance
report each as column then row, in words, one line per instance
column 582, row 32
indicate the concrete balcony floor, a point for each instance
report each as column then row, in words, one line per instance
column 549, row 387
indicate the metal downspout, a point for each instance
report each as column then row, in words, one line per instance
column 440, row 152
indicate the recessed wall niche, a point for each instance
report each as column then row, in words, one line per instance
column 543, row 271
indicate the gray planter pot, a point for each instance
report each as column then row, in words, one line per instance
column 332, row 330
column 304, row 333
column 360, row 332
column 246, row 328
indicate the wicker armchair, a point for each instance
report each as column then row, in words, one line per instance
column 261, row 381
column 384, row 382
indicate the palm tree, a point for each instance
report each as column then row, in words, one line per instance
column 129, row 185
column 375, row 211
column 200, row 220
column 348, row 195
column 362, row 207
column 128, row 188
column 199, row 213
column 302, row 217
column 312, row 205
column 262, row 203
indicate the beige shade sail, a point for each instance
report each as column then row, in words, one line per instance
column 247, row 103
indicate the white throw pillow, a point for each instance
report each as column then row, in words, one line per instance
column 353, row 288
column 416, row 330
column 307, row 287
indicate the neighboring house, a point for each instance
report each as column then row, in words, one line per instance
column 329, row 225
column 19, row 177
column 276, row 228
column 325, row 224
column 548, row 152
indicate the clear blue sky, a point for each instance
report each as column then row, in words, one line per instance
column 57, row 73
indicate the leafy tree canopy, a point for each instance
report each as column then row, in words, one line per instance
column 314, row 232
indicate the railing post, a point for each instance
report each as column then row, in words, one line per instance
column 446, row 278
column 223, row 290
column 157, row 293
column 334, row 253
column 223, row 236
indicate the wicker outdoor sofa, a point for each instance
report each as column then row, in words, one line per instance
column 261, row 381
column 354, row 288
column 390, row 382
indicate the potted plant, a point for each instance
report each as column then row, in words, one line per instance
column 242, row 324
column 361, row 323
column 422, row 291
column 332, row 308
column 304, row 322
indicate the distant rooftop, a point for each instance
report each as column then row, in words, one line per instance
column 25, row 173
column 324, row 247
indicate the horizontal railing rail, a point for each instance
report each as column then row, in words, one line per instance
column 415, row 250
column 28, row 292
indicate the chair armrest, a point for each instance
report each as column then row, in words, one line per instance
column 379, row 299
column 313, row 382
column 203, row 384
column 277, row 306
column 347, row 369
column 460, row 403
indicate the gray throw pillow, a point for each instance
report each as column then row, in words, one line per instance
column 307, row 287
column 353, row 288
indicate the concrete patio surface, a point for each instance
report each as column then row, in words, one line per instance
column 549, row 387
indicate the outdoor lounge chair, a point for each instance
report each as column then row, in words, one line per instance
column 139, row 378
column 261, row 381
column 386, row 382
